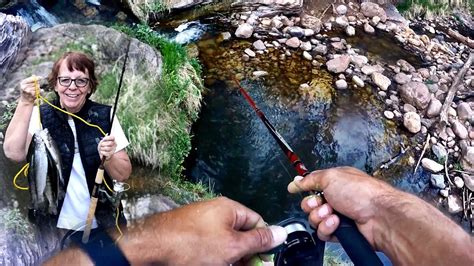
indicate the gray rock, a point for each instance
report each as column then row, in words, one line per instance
column 338, row 64
column 341, row 9
column 389, row 114
column 465, row 112
column 381, row 81
column 454, row 204
column 408, row 108
column 350, row 31
column 244, row 31
column 293, row 42
column 311, row 22
column 431, row 165
column 444, row 193
column 440, row 152
column 402, row 78
column 437, row 181
column 295, row 31
column 307, row 56
column 259, row 45
column 321, row 49
column 305, row 46
column 467, row 158
column 405, row 66
column 342, row 21
column 368, row 70
column 358, row 81
column 371, row 9
column 226, row 36
column 459, row 129
column 368, row 28
column 341, row 84
column 359, row 60
column 15, row 35
column 468, row 181
column 259, row 73
column 416, row 94
column 412, row 122
column 434, row 108
column 458, row 182
column 249, row 52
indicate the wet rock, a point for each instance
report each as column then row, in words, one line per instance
column 359, row 60
column 467, row 158
column 226, row 36
column 350, row 31
column 295, row 31
column 431, row 165
column 259, row 45
column 468, row 181
column 381, row 81
column 259, row 74
column 341, row 84
column 368, row 28
column 439, row 151
column 416, row 94
column 358, row 81
column 341, row 9
column 308, row 32
column 459, row 129
column 371, row 9
column 338, row 64
column 311, row 22
column 434, row 108
column 389, row 114
column 402, row 78
column 305, row 46
column 405, row 66
column 307, row 56
column 368, row 70
column 15, row 34
column 293, row 42
column 321, row 49
column 342, row 21
column 444, row 193
column 412, row 122
column 244, row 31
column 458, row 182
column 249, row 52
column 465, row 112
column 454, row 204
column 437, row 181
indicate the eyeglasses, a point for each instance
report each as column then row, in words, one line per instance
column 67, row 81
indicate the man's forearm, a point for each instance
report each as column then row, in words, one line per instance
column 412, row 231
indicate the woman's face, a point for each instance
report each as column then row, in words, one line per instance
column 72, row 88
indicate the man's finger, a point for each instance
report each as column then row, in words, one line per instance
column 261, row 239
column 316, row 180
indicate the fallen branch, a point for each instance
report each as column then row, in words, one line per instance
column 461, row 38
column 325, row 10
column 427, row 142
column 446, row 171
column 452, row 91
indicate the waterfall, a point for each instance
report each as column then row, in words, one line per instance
column 188, row 32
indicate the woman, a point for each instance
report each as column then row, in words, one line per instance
column 81, row 146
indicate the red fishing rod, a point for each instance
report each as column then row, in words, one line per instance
column 354, row 243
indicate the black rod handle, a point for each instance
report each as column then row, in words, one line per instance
column 354, row 243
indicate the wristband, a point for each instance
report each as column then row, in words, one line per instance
column 103, row 251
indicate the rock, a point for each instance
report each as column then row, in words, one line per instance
column 305, row 46
column 341, row 84
column 339, row 46
column 244, row 31
column 307, row 56
column 388, row 114
column 434, row 108
column 375, row 20
column 444, row 193
column 259, row 45
column 15, row 35
column 431, row 165
column 293, row 42
column 458, row 182
column 350, row 31
column 342, row 21
column 321, row 49
column 468, row 181
column 341, row 9
column 381, row 81
column 311, row 22
column 358, row 81
column 276, row 23
column 338, row 64
column 454, row 204
column 295, row 31
column 459, row 129
column 440, row 152
column 465, row 112
column 437, row 181
column 226, row 36
column 405, row 66
column 371, row 9
column 368, row 70
column 259, row 73
column 416, row 94
column 249, row 52
column 414, row 42
column 308, row 32
column 402, row 78
column 359, row 60
column 412, row 122
column 368, row 28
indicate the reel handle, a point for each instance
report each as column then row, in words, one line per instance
column 354, row 243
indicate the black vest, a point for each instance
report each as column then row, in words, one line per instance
column 88, row 139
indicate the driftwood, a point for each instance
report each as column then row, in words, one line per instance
column 427, row 142
column 452, row 91
column 461, row 38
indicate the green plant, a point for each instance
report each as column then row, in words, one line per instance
column 413, row 8
column 7, row 115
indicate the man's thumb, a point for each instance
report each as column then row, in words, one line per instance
column 264, row 238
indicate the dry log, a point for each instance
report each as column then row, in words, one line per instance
column 461, row 38
column 452, row 91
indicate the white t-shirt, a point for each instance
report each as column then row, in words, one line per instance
column 75, row 208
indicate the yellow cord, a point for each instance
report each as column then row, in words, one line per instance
column 24, row 169
column 117, row 225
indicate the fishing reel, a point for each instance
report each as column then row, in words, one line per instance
column 302, row 246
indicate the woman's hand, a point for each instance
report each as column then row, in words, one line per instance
column 107, row 147
column 28, row 89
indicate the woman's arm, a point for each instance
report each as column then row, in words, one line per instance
column 119, row 166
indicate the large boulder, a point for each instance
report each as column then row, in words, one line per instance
column 415, row 93
column 311, row 22
column 371, row 10
column 15, row 35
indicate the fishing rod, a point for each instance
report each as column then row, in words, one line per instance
column 354, row 243
column 100, row 172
